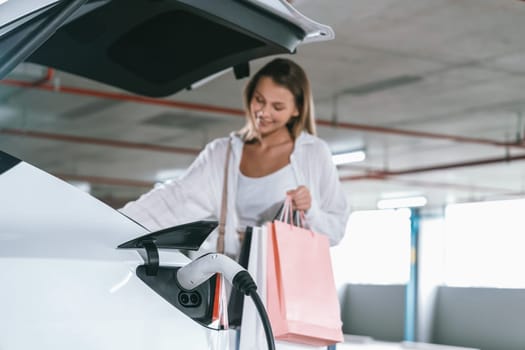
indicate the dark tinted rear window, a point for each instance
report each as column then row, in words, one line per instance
column 173, row 43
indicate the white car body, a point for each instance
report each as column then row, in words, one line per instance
column 64, row 283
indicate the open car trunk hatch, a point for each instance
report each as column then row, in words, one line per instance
column 158, row 47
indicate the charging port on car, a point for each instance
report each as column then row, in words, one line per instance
column 197, row 303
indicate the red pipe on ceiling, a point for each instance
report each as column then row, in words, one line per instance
column 460, row 187
column 123, row 97
column 102, row 180
column 240, row 113
column 383, row 174
column 98, row 141
column 421, row 134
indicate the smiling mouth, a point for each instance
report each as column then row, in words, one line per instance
column 263, row 122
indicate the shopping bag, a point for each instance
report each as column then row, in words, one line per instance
column 302, row 301
column 219, row 339
column 252, row 332
column 236, row 302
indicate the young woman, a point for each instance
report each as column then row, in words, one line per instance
column 276, row 154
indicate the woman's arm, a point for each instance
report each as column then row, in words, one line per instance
column 329, row 210
column 190, row 198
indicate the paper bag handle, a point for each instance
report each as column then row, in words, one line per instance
column 287, row 213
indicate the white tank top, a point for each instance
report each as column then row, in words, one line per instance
column 260, row 198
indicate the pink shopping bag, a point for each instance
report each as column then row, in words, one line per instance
column 302, row 299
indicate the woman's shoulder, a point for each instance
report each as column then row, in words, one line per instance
column 312, row 143
column 218, row 147
column 221, row 143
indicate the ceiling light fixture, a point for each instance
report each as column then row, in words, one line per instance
column 3, row 1
column 349, row 157
column 405, row 202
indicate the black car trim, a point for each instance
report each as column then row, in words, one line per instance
column 7, row 162
column 187, row 236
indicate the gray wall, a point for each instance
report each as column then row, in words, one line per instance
column 374, row 310
column 485, row 318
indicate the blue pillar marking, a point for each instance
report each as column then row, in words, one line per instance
column 411, row 289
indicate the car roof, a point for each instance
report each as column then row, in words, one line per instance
column 153, row 48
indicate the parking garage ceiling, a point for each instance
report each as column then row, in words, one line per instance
column 433, row 91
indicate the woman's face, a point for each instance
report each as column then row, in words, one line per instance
column 272, row 106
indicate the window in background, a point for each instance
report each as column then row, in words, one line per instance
column 485, row 244
column 375, row 249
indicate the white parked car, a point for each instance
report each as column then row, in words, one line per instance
column 75, row 273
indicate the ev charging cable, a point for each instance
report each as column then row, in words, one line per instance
column 203, row 268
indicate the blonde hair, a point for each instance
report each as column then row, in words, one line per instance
column 291, row 76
